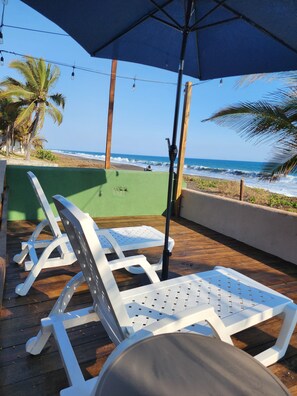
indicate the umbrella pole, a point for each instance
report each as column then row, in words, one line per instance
column 172, row 146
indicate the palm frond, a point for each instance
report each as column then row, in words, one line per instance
column 55, row 114
column 24, row 68
column 53, row 76
column 251, row 78
column 17, row 92
column 11, row 81
column 260, row 120
column 58, row 99
column 25, row 114
column 288, row 77
column 42, row 74
column 283, row 162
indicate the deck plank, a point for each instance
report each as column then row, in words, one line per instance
column 196, row 249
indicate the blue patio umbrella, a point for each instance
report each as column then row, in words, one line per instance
column 205, row 39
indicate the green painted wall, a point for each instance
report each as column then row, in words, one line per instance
column 98, row 192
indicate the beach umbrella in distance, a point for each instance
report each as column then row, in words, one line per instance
column 205, row 39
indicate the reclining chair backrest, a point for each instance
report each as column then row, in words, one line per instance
column 44, row 204
column 80, row 229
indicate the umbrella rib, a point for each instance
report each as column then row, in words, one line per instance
column 259, row 27
column 166, row 23
column 161, row 9
column 142, row 19
column 215, row 24
column 207, row 14
column 197, row 45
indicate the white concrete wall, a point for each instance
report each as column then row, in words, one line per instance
column 271, row 230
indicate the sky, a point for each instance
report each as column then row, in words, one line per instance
column 143, row 117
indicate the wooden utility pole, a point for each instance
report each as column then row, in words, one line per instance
column 110, row 112
column 182, row 147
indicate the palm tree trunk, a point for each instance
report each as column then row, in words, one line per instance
column 31, row 136
column 8, row 140
column 12, row 139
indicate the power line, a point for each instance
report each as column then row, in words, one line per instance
column 35, row 30
column 85, row 69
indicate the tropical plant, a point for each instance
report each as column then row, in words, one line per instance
column 273, row 120
column 8, row 115
column 38, row 141
column 33, row 96
column 45, row 155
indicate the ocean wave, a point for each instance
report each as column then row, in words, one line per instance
column 236, row 172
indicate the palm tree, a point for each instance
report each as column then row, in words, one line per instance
column 273, row 120
column 33, row 96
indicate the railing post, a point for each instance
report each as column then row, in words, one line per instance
column 182, row 147
column 241, row 190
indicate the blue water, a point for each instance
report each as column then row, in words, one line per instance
column 223, row 169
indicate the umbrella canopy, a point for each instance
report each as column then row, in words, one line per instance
column 202, row 38
column 231, row 37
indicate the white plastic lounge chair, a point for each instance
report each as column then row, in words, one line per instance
column 116, row 240
column 220, row 302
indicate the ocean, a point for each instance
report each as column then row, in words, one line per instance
column 223, row 169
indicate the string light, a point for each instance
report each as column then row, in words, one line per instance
column 1, row 37
column 221, row 82
column 72, row 74
column 1, row 59
column 134, row 85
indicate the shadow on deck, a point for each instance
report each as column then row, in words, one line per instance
column 196, row 249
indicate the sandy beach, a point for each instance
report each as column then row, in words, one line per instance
column 73, row 161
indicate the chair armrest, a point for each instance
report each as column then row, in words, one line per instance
column 67, row 293
column 116, row 247
column 140, row 260
column 39, row 228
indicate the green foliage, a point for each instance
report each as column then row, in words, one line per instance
column 45, row 155
column 204, row 184
column 230, row 189
column 278, row 201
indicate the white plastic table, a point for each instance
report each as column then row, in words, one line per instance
column 187, row 364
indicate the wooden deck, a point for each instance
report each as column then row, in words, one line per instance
column 197, row 249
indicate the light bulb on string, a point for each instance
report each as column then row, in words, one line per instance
column 134, row 85
column 72, row 74
column 1, row 37
column 1, row 59
column 221, row 82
